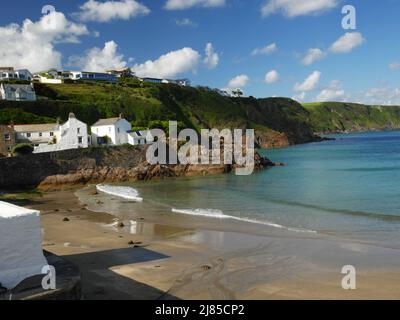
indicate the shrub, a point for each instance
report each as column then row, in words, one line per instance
column 22, row 149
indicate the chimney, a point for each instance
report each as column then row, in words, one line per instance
column 121, row 116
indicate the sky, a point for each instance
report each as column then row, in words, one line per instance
column 290, row 48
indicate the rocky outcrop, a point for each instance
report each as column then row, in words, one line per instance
column 97, row 165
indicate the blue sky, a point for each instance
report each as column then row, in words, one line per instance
column 363, row 66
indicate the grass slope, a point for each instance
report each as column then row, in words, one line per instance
column 339, row 116
column 151, row 105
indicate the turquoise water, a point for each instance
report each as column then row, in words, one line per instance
column 348, row 188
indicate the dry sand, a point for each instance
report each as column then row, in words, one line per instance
column 151, row 261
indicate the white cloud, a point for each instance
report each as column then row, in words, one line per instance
column 186, row 4
column 313, row 55
column 31, row 45
column 185, row 22
column 381, row 96
column 347, row 42
column 295, row 8
column 271, row 48
column 333, row 92
column 300, row 97
column 310, row 83
column 170, row 64
column 212, row 58
column 99, row 60
column 394, row 66
column 272, row 76
column 94, row 10
column 238, row 81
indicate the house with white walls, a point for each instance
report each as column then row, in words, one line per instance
column 112, row 131
column 17, row 92
column 118, row 131
column 140, row 137
column 8, row 73
column 54, row 137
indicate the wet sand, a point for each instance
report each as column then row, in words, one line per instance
column 146, row 260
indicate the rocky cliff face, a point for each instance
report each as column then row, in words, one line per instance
column 97, row 165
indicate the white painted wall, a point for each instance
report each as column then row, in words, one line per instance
column 50, row 81
column 37, row 137
column 71, row 135
column 135, row 139
column 118, row 132
column 20, row 245
column 16, row 96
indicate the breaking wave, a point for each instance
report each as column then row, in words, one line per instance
column 121, row 192
column 218, row 214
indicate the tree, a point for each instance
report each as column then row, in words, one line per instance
column 237, row 93
column 22, row 149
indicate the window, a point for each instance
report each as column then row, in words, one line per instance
column 79, row 130
column 40, row 134
column 119, row 130
column 51, row 134
column 80, row 140
column 7, row 137
column 9, row 148
column 28, row 135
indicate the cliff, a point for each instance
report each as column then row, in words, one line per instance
column 96, row 165
column 332, row 117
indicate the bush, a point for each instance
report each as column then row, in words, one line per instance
column 22, row 149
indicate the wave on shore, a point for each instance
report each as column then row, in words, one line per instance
column 121, row 192
column 213, row 213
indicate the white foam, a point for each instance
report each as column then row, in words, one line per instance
column 214, row 213
column 211, row 213
column 121, row 192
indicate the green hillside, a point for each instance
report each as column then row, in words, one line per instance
column 339, row 116
column 277, row 121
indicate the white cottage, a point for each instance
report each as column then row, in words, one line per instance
column 17, row 92
column 20, row 246
column 54, row 137
column 118, row 131
column 140, row 137
column 113, row 131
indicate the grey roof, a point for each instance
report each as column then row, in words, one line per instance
column 36, row 127
column 106, row 122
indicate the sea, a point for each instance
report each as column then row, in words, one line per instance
column 347, row 189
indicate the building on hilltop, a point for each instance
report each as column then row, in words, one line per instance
column 121, row 73
column 8, row 73
column 179, row 82
column 59, row 76
column 17, row 92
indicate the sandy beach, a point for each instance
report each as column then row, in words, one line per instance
column 144, row 260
